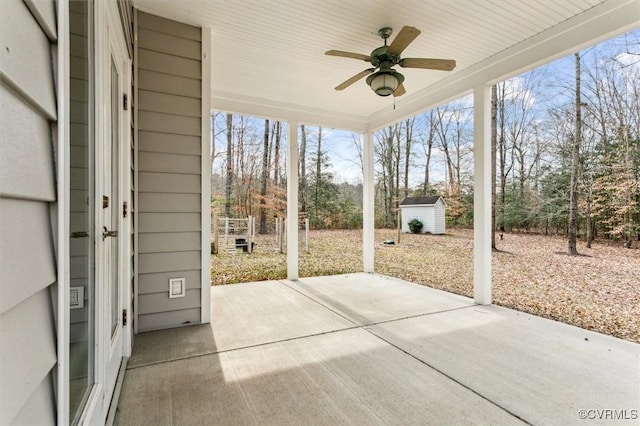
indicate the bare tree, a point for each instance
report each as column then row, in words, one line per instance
column 494, row 137
column 276, row 153
column 409, row 124
column 302, row 191
column 316, row 200
column 229, row 177
column 264, row 178
column 575, row 164
column 428, row 148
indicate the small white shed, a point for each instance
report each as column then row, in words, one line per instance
column 428, row 210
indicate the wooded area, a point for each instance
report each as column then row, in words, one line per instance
column 566, row 143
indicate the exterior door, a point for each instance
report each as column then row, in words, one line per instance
column 113, row 218
column 100, row 189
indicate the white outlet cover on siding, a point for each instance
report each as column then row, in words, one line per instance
column 177, row 288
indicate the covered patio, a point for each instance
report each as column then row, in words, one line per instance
column 361, row 348
column 369, row 349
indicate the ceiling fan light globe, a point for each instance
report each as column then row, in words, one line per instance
column 384, row 83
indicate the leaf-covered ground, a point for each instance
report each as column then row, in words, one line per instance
column 599, row 291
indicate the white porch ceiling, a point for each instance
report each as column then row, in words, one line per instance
column 268, row 55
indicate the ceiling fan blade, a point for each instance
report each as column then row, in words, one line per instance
column 400, row 90
column 351, row 55
column 353, row 79
column 428, row 63
column 403, row 39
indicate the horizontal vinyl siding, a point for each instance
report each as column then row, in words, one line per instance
column 169, row 27
column 169, row 261
column 439, row 218
column 26, row 163
column 154, row 303
column 168, row 183
column 415, row 212
column 169, row 104
column 170, row 203
column 164, row 63
column 169, row 222
column 432, row 217
column 28, row 353
column 169, row 171
column 26, row 56
column 429, row 216
column 169, row 319
column 39, row 409
column 159, row 41
column 167, row 163
column 169, row 242
column 28, row 263
column 27, row 198
column 167, row 83
column 170, row 144
column 159, row 282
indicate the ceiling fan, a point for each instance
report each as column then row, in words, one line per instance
column 386, row 81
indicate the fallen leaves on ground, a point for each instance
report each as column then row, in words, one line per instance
column 598, row 291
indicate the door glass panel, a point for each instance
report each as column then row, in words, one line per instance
column 115, row 195
column 81, row 207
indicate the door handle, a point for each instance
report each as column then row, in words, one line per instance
column 106, row 233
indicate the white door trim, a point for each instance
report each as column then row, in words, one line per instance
column 109, row 38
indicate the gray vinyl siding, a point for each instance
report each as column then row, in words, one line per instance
column 27, row 200
column 79, row 171
column 168, row 105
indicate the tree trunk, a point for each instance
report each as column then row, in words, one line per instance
column 229, row 180
column 502, row 148
column 589, row 222
column 494, row 137
column 318, row 171
column 428, row 154
column 396, row 160
column 276, row 155
column 407, row 154
column 303, row 169
column 264, row 178
column 575, row 164
column 390, row 178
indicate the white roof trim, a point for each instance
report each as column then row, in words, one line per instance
column 266, row 108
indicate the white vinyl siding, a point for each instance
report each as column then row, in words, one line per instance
column 169, row 171
column 432, row 217
column 27, row 198
column 415, row 212
column 439, row 221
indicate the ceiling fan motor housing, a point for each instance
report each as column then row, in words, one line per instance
column 381, row 57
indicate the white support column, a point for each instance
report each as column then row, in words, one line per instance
column 205, row 170
column 482, row 195
column 368, row 204
column 292, row 202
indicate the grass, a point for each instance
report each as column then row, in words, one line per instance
column 599, row 291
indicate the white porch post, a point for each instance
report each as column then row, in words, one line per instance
column 482, row 195
column 368, row 204
column 292, row 202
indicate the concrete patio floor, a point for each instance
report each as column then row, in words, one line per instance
column 368, row 349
